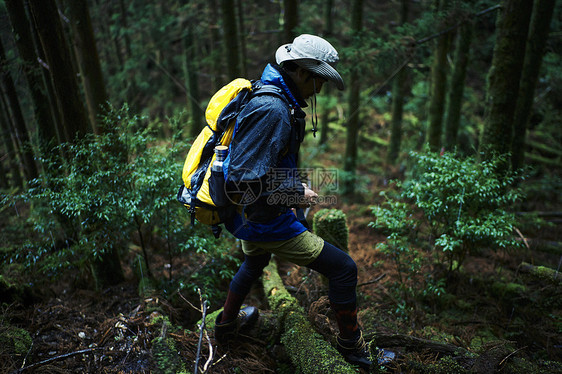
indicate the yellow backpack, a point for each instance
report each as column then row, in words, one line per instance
column 201, row 193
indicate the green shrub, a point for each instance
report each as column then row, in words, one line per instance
column 451, row 206
column 107, row 187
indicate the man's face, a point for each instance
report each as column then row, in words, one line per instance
column 308, row 82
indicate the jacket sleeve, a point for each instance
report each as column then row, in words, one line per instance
column 261, row 138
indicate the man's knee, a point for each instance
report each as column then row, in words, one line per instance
column 348, row 271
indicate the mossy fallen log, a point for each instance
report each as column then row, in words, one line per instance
column 542, row 273
column 308, row 351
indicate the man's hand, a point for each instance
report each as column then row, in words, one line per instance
column 310, row 197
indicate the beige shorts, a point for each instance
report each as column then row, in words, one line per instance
column 301, row 250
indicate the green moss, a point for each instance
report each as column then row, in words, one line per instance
column 167, row 357
column 479, row 341
column 330, row 224
column 14, row 341
column 300, row 340
column 508, row 290
column 309, row 352
column 547, row 274
column 446, row 365
column 522, row 366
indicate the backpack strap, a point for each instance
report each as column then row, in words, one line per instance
column 258, row 88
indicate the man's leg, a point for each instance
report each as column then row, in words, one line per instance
column 341, row 271
column 250, row 270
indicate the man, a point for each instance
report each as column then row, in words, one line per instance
column 263, row 159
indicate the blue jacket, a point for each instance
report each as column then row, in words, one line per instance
column 261, row 165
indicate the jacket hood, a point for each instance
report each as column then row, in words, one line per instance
column 274, row 74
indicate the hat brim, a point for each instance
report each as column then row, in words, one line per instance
column 322, row 69
column 318, row 67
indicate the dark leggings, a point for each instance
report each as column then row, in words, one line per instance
column 333, row 263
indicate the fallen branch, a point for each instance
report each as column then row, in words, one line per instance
column 56, row 358
column 201, row 331
column 376, row 280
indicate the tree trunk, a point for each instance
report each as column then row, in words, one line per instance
column 503, row 79
column 88, row 60
column 397, row 115
column 196, row 112
column 456, row 88
column 398, row 95
column 536, row 41
column 74, row 118
column 23, row 140
column 230, row 38
column 11, row 155
column 32, row 71
column 328, row 29
column 242, row 30
column 215, row 50
column 124, row 24
column 438, row 88
column 47, row 81
column 354, row 106
column 290, row 20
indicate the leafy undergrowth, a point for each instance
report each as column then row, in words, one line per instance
column 490, row 309
column 508, row 320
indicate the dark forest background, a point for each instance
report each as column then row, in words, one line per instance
column 446, row 147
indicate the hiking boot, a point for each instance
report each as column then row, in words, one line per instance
column 385, row 357
column 227, row 330
column 355, row 351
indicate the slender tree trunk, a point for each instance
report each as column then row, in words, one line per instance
column 536, row 41
column 290, row 20
column 215, row 50
column 47, row 82
column 230, row 38
column 23, row 140
column 125, row 25
column 354, row 106
column 88, row 60
column 193, row 99
column 456, row 90
column 328, row 29
column 71, row 107
column 242, row 29
column 111, row 49
column 3, row 176
column 398, row 97
column 397, row 110
column 438, row 89
column 32, row 71
column 11, row 153
column 96, row 12
column 503, row 79
column 328, row 17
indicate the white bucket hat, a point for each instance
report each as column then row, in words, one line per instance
column 313, row 54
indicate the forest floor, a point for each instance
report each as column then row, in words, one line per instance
column 491, row 308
